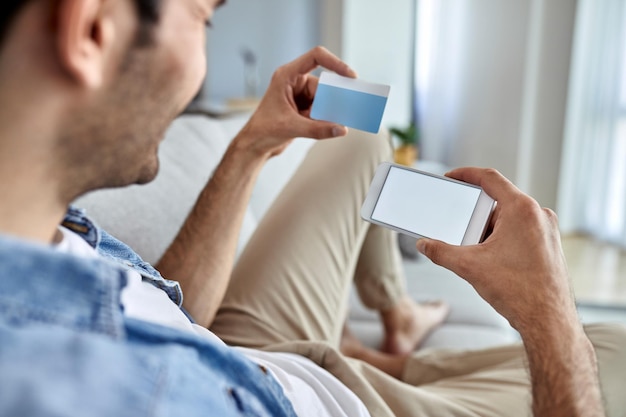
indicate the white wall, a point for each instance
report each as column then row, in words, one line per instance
column 498, row 89
column 471, row 111
column 277, row 30
column 484, row 128
column 331, row 25
column 545, row 100
column 377, row 42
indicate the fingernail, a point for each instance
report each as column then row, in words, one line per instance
column 339, row 131
column 421, row 245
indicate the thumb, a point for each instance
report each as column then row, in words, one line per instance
column 318, row 129
column 439, row 252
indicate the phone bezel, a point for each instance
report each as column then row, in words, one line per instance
column 478, row 223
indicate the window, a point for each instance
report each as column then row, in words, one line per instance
column 593, row 176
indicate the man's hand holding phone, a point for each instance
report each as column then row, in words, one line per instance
column 520, row 268
column 521, row 271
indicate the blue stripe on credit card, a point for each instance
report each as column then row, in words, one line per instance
column 350, row 103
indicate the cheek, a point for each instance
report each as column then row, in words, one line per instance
column 182, row 36
column 189, row 62
column 198, row 69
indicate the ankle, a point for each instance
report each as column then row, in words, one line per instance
column 395, row 316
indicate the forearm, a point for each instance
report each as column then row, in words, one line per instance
column 201, row 257
column 563, row 369
column 532, row 291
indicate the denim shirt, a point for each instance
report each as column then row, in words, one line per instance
column 110, row 248
column 66, row 348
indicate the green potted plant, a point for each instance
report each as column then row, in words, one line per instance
column 408, row 137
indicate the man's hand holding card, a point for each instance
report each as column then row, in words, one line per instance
column 298, row 104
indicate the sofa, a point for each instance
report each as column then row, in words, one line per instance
column 148, row 217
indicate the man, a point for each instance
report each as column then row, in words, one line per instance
column 88, row 88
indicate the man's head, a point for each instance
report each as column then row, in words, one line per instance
column 148, row 13
column 104, row 79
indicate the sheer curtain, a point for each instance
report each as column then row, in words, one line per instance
column 592, row 195
column 438, row 68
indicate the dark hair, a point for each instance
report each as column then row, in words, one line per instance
column 8, row 11
column 149, row 13
column 147, row 10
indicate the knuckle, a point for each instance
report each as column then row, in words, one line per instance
column 278, row 74
column 318, row 50
column 527, row 206
column 550, row 213
column 551, row 216
column 492, row 173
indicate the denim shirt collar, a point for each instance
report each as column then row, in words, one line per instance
column 116, row 251
column 77, row 221
column 39, row 284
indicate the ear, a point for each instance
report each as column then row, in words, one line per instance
column 84, row 38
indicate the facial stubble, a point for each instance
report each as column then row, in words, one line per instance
column 115, row 142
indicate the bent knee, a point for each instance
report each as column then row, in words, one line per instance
column 608, row 336
column 609, row 342
column 375, row 147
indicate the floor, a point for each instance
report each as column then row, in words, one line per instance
column 598, row 274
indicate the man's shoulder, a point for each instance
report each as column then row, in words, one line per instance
column 41, row 285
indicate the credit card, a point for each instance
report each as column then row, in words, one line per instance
column 350, row 102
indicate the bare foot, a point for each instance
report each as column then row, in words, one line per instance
column 350, row 345
column 408, row 323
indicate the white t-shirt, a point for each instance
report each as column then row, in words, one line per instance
column 312, row 390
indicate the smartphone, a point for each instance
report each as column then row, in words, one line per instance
column 421, row 204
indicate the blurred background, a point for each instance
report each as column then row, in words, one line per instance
column 534, row 88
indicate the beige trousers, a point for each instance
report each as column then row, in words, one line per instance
column 290, row 288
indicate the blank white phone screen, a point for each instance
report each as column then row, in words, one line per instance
column 425, row 205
